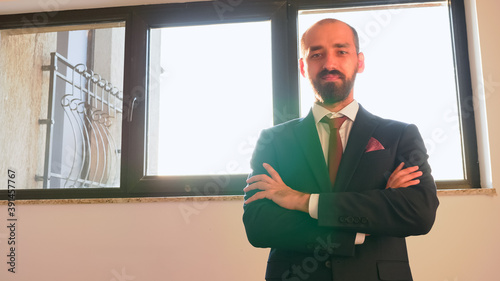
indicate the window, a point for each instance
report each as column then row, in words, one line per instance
column 65, row 98
column 203, row 96
column 211, row 87
column 61, row 83
column 408, row 64
column 167, row 100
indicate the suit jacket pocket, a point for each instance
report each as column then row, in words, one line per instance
column 377, row 154
column 394, row 270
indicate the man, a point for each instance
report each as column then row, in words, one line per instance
column 329, row 221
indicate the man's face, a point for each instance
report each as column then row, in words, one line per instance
column 330, row 61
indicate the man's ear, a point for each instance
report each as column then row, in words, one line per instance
column 361, row 62
column 302, row 67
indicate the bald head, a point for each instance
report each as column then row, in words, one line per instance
column 303, row 41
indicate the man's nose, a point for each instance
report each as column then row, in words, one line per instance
column 330, row 62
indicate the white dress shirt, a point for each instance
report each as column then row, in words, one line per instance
column 350, row 111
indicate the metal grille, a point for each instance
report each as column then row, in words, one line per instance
column 83, row 128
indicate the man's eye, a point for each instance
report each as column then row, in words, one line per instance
column 313, row 56
column 342, row 52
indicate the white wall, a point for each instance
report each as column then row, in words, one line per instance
column 152, row 241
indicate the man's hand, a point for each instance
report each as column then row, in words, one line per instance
column 275, row 189
column 404, row 177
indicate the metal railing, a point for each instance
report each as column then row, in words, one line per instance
column 82, row 145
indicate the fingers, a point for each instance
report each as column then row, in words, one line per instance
column 405, row 181
column 410, row 176
column 263, row 177
column 404, row 177
column 406, row 171
column 257, row 178
column 274, row 175
column 410, row 183
column 262, row 185
column 256, row 196
column 398, row 169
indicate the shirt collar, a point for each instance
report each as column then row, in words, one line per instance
column 350, row 111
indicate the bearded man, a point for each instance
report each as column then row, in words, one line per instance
column 335, row 194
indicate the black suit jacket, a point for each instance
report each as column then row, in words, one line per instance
column 303, row 248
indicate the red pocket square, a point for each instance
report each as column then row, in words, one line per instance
column 374, row 145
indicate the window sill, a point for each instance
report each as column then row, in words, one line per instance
column 441, row 192
column 126, row 200
column 469, row 191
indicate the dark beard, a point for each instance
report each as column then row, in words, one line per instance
column 331, row 93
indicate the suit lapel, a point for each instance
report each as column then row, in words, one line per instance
column 307, row 136
column 360, row 134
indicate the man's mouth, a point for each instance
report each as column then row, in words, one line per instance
column 331, row 77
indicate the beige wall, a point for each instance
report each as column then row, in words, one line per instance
column 23, row 101
column 153, row 241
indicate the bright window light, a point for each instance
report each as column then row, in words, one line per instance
column 210, row 95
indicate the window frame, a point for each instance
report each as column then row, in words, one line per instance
column 283, row 15
column 462, row 78
column 66, row 18
column 135, row 178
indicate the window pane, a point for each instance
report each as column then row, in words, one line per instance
column 409, row 74
column 210, row 95
column 61, row 91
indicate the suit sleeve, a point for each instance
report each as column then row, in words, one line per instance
column 396, row 212
column 269, row 225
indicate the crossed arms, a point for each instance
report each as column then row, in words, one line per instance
column 277, row 216
column 273, row 188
